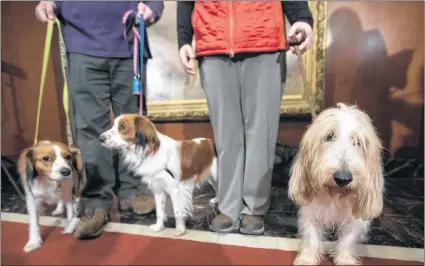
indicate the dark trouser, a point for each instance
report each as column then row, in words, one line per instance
column 244, row 96
column 95, row 84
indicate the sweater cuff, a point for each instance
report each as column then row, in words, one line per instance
column 58, row 7
column 184, row 39
column 309, row 21
column 157, row 7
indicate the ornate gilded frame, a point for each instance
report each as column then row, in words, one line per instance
column 314, row 62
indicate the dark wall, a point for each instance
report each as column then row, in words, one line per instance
column 374, row 59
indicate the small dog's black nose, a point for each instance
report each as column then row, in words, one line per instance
column 102, row 138
column 343, row 178
column 65, row 171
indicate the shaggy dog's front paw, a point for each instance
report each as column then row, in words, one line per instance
column 346, row 259
column 307, row 259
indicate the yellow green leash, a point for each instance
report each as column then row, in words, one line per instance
column 47, row 46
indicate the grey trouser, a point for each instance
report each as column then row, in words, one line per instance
column 244, row 95
column 95, row 84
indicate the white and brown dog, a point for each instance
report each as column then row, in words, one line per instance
column 337, row 181
column 51, row 173
column 166, row 165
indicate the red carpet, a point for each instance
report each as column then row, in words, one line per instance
column 125, row 249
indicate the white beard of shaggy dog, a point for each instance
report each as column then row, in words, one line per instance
column 337, row 182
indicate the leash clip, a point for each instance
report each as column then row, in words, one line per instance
column 136, row 85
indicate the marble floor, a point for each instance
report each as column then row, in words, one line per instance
column 401, row 224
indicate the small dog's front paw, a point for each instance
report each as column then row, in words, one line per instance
column 33, row 245
column 213, row 201
column 68, row 230
column 306, row 259
column 346, row 259
column 64, row 222
column 180, row 230
column 58, row 212
column 156, row 228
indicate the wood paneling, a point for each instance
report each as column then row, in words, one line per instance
column 374, row 59
column 22, row 45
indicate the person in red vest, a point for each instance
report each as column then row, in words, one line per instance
column 240, row 47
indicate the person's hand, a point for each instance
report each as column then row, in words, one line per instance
column 45, row 11
column 143, row 9
column 303, row 32
column 187, row 56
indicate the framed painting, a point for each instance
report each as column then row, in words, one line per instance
column 174, row 96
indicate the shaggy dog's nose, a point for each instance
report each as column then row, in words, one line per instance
column 343, row 178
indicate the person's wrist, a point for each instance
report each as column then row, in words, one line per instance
column 49, row 1
column 182, row 43
column 304, row 23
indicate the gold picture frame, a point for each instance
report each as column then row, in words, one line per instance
column 294, row 102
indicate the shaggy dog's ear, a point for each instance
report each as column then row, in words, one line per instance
column 300, row 189
column 369, row 204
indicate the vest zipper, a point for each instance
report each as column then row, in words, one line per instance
column 231, row 29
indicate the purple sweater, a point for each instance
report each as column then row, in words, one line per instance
column 95, row 28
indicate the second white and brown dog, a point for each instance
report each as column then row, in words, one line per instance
column 166, row 165
column 337, row 181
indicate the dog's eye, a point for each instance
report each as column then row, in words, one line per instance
column 122, row 127
column 46, row 158
column 330, row 137
column 68, row 157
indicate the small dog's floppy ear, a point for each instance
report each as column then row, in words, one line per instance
column 299, row 187
column 26, row 166
column 77, row 160
column 79, row 177
column 146, row 134
column 141, row 140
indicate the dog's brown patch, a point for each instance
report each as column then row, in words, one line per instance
column 196, row 159
column 133, row 126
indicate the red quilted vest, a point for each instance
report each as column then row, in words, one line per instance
column 229, row 27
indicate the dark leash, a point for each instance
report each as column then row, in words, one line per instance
column 308, row 91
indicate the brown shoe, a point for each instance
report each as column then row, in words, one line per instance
column 223, row 224
column 138, row 203
column 252, row 225
column 92, row 224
